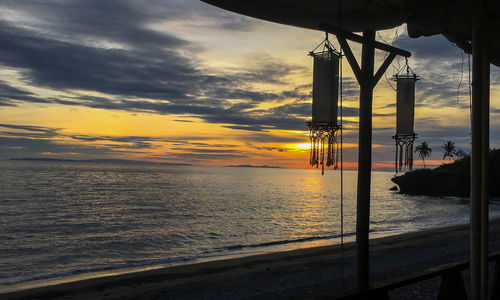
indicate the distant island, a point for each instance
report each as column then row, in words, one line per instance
column 451, row 179
column 251, row 166
column 114, row 161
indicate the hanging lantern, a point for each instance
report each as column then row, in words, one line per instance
column 324, row 125
column 405, row 116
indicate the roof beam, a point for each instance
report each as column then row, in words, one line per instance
column 350, row 58
column 383, row 68
column 341, row 33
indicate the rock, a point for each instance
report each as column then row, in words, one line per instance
column 451, row 179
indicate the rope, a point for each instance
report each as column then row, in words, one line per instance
column 395, row 37
column 461, row 78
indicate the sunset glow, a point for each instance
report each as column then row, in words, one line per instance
column 220, row 89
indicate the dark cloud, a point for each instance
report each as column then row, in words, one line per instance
column 130, row 62
column 29, row 131
column 126, row 21
column 10, row 94
column 173, row 83
column 205, row 156
column 443, row 71
column 205, row 151
column 62, row 65
column 19, row 141
column 270, row 149
column 34, row 147
column 272, row 138
column 430, row 48
column 212, row 145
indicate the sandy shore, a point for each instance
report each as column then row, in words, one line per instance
column 296, row 274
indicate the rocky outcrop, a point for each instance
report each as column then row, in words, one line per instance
column 451, row 179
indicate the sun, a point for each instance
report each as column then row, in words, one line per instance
column 299, row 147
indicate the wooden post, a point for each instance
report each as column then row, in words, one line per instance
column 365, row 159
column 367, row 82
column 479, row 156
column 495, row 287
column 485, row 153
column 452, row 286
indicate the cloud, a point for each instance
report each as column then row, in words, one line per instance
column 26, row 140
column 442, row 68
column 430, row 48
column 36, row 147
column 199, row 157
column 171, row 82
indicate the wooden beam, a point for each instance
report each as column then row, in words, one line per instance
column 365, row 160
column 383, row 68
column 361, row 39
column 350, row 58
column 479, row 218
column 485, row 149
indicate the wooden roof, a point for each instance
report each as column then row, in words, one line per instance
column 452, row 19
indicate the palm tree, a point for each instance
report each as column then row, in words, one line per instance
column 448, row 150
column 460, row 153
column 423, row 151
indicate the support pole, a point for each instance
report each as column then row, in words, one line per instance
column 479, row 218
column 485, row 152
column 367, row 82
column 365, row 159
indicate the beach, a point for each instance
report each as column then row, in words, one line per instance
column 303, row 273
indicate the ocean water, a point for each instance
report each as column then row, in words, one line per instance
column 59, row 219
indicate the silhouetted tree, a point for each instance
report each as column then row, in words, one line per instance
column 448, row 150
column 423, row 151
column 460, row 153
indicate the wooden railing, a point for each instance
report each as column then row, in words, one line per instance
column 451, row 288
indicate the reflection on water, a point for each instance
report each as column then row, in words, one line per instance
column 67, row 218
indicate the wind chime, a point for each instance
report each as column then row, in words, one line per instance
column 324, row 125
column 405, row 116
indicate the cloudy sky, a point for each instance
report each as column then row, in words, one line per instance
column 181, row 81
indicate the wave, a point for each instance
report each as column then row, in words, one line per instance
column 208, row 254
column 281, row 242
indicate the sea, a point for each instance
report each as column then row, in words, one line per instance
column 63, row 220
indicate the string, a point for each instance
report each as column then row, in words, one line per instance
column 461, row 78
column 394, row 38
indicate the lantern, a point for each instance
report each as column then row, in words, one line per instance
column 405, row 116
column 324, row 126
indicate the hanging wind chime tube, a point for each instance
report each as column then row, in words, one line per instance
column 405, row 116
column 324, row 126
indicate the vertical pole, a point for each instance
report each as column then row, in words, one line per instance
column 476, row 164
column 479, row 156
column 364, row 159
column 485, row 152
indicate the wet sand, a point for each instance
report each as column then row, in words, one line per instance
column 303, row 273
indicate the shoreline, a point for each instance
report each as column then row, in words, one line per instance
column 79, row 275
column 145, row 266
column 250, row 274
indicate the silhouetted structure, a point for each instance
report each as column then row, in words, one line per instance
column 471, row 25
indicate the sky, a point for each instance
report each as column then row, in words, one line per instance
column 180, row 81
